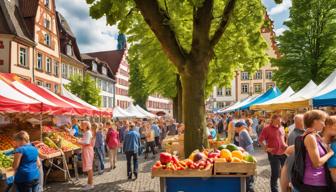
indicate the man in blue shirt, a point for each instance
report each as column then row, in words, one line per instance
column 157, row 133
column 75, row 127
column 131, row 147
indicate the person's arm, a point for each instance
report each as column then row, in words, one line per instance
column 290, row 150
column 17, row 160
column 38, row 162
column 261, row 140
column 310, row 143
column 86, row 139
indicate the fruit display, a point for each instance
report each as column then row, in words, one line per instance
column 44, row 149
column 5, row 161
column 48, row 129
column 226, row 157
column 49, row 143
column 68, row 146
column 6, row 142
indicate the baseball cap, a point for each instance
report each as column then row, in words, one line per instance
column 239, row 124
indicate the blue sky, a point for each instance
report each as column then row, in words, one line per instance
column 95, row 35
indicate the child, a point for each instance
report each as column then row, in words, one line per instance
column 87, row 143
column 245, row 141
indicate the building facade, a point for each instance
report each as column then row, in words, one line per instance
column 29, row 41
column 157, row 104
column 70, row 55
column 103, row 76
column 244, row 83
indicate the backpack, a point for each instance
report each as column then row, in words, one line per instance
column 298, row 169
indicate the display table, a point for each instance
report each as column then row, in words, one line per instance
column 199, row 184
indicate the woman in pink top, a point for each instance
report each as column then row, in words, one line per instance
column 87, row 143
column 112, row 142
column 318, row 153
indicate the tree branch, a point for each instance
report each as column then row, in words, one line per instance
column 201, row 28
column 224, row 23
column 158, row 21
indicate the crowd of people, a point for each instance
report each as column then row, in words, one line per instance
column 300, row 147
column 97, row 141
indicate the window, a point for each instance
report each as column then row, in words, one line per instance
column 220, row 104
column 258, row 75
column 244, row 76
column 69, row 49
column 227, row 91
column 48, row 86
column 47, row 23
column 55, row 88
column 104, row 71
column 269, row 85
column 23, row 57
column 39, row 61
column 257, row 88
column 110, row 102
column 47, row 39
column 244, row 88
column 70, row 71
column 99, row 83
column 104, row 101
column 110, row 88
column 94, row 66
column 269, row 75
column 39, row 83
column 56, row 68
column 46, row 3
column 48, row 65
column 219, row 91
column 64, row 71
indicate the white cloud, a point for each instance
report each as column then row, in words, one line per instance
column 279, row 31
column 285, row 5
column 92, row 35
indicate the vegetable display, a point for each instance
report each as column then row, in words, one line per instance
column 5, row 161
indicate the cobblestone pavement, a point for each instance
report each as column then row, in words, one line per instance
column 116, row 180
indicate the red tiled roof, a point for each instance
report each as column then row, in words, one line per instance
column 113, row 58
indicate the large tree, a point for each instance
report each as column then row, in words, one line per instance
column 196, row 38
column 308, row 47
column 85, row 88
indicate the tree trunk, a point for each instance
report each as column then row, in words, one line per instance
column 193, row 83
column 177, row 101
column 175, row 107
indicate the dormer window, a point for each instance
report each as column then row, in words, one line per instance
column 46, row 3
column 94, row 66
column 69, row 49
column 104, row 71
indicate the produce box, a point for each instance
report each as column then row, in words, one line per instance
column 7, row 142
column 207, row 172
column 221, row 167
column 6, row 172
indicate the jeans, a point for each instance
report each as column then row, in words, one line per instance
column 276, row 162
column 129, row 156
column 150, row 145
column 249, row 184
column 28, row 186
column 310, row 188
column 157, row 142
column 100, row 154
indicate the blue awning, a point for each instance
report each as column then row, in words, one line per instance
column 328, row 99
column 268, row 95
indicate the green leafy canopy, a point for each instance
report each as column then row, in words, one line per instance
column 308, row 47
column 241, row 47
column 85, row 88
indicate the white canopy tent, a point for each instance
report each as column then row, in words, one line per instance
column 120, row 113
column 150, row 115
column 326, row 86
column 238, row 105
column 135, row 112
column 265, row 106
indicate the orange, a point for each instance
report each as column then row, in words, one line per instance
column 225, row 153
column 238, row 154
column 235, row 160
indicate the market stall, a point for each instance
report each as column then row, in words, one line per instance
column 209, row 170
column 148, row 114
column 119, row 113
column 135, row 112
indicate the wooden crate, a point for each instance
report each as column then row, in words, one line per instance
column 6, row 172
column 49, row 156
column 236, row 168
column 207, row 172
